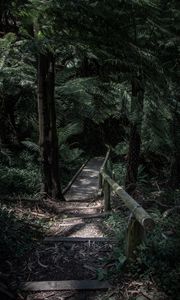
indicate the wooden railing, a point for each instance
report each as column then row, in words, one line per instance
column 139, row 222
column 105, row 169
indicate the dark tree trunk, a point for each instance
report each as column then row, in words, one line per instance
column 175, row 168
column 175, row 171
column 135, row 134
column 47, row 128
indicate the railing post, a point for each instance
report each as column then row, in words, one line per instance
column 108, row 168
column 100, row 191
column 113, row 176
column 100, row 181
column 135, row 236
column 107, row 196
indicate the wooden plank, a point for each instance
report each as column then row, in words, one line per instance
column 65, row 285
column 56, row 239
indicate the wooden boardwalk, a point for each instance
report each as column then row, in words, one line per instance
column 85, row 186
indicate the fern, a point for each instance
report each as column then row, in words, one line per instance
column 31, row 146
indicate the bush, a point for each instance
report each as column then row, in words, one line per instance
column 16, row 180
column 159, row 256
column 16, row 235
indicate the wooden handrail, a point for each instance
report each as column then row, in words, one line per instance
column 103, row 168
column 139, row 213
column 106, row 159
column 139, row 222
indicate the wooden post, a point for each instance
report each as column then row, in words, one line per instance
column 100, row 181
column 135, row 236
column 107, row 196
column 100, row 191
column 113, row 176
column 108, row 169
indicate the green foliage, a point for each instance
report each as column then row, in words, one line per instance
column 31, row 146
column 117, row 223
column 19, row 173
column 17, row 237
column 159, row 256
column 71, row 157
column 68, row 131
column 143, row 177
column 18, row 181
column 121, row 149
column 119, row 171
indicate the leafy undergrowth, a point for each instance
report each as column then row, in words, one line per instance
column 20, row 170
column 21, row 231
column 155, row 274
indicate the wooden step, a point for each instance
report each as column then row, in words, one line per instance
column 72, row 213
column 59, row 239
column 89, row 216
column 74, row 208
column 65, row 285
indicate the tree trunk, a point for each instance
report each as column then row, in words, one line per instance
column 175, row 168
column 47, row 128
column 135, row 134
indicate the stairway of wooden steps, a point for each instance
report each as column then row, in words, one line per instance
column 76, row 246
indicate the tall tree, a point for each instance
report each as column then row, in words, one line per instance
column 44, row 42
column 137, row 100
column 47, row 127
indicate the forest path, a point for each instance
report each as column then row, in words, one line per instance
column 75, row 252
column 85, row 186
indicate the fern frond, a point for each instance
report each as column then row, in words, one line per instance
column 31, row 146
